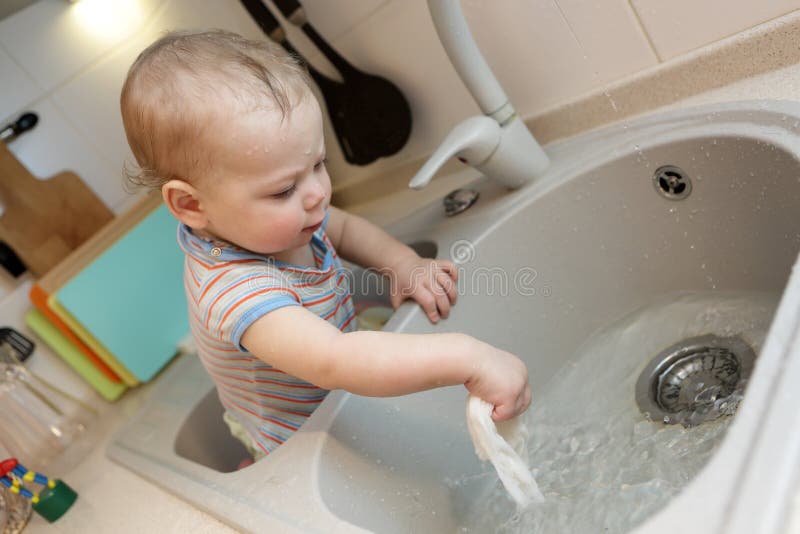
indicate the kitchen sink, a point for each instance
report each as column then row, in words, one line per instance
column 691, row 211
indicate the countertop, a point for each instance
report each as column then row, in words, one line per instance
column 113, row 499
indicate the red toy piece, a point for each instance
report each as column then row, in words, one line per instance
column 8, row 465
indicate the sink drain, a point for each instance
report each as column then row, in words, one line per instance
column 672, row 183
column 695, row 380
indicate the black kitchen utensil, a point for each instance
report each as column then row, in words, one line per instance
column 270, row 26
column 25, row 122
column 369, row 114
column 17, row 344
column 8, row 258
column 10, row 261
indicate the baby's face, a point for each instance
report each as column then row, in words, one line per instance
column 268, row 188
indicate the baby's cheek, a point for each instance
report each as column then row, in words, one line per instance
column 287, row 227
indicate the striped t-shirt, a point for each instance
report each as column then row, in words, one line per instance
column 227, row 289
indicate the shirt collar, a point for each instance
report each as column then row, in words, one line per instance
column 211, row 250
column 217, row 250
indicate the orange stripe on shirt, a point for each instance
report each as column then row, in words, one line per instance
column 247, row 280
column 248, row 297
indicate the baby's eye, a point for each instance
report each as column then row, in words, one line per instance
column 286, row 193
column 320, row 164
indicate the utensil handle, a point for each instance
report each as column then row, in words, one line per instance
column 341, row 64
column 11, row 131
column 266, row 20
column 292, row 10
column 295, row 13
column 273, row 29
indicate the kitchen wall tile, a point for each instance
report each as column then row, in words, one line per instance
column 54, row 39
column 9, row 7
column 54, row 146
column 91, row 99
column 17, row 88
column 679, row 26
column 560, row 49
column 543, row 51
column 332, row 19
column 190, row 14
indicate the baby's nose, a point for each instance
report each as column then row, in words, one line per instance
column 314, row 195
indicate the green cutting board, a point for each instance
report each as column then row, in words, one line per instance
column 131, row 297
column 74, row 357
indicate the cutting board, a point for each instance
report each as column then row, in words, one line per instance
column 64, row 347
column 39, row 299
column 96, row 347
column 43, row 291
column 45, row 220
column 131, row 297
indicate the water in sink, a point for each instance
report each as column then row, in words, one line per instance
column 601, row 465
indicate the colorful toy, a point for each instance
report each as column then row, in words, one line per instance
column 51, row 502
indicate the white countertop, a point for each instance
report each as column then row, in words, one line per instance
column 113, row 499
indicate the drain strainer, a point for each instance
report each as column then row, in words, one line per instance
column 690, row 381
column 672, row 183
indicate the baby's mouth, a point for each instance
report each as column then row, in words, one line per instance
column 313, row 228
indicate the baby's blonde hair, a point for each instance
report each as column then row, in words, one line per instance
column 185, row 81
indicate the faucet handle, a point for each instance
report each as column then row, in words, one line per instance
column 473, row 141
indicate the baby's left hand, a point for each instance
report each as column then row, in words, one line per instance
column 432, row 283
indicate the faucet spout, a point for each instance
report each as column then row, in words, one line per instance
column 517, row 158
column 473, row 141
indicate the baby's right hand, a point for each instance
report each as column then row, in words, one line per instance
column 501, row 379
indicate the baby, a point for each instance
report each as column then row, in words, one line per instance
column 229, row 131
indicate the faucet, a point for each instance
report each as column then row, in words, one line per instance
column 497, row 143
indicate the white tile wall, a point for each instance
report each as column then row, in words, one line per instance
column 191, row 14
column 678, row 26
column 17, row 89
column 91, row 99
column 52, row 42
column 543, row 51
column 90, row 102
column 332, row 20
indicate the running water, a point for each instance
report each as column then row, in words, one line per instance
column 601, row 465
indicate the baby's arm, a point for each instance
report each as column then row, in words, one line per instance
column 432, row 283
column 383, row 364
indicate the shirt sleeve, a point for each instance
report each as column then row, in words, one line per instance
column 238, row 296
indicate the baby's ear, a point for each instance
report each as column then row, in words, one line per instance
column 183, row 200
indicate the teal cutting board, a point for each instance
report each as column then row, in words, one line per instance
column 131, row 297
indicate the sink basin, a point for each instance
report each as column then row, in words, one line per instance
column 548, row 272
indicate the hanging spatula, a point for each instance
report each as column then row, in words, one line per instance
column 370, row 116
